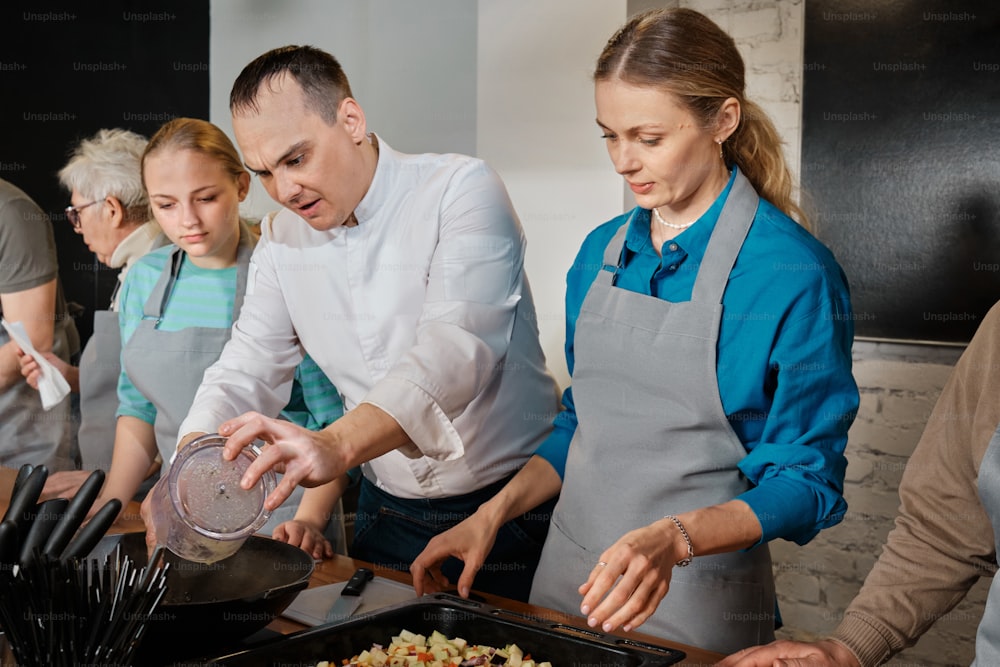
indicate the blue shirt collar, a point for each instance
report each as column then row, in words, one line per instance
column 694, row 239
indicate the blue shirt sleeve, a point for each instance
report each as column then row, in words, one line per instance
column 797, row 463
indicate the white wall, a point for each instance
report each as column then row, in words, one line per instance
column 505, row 80
column 412, row 65
column 536, row 127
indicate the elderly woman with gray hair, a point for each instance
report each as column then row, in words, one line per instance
column 110, row 209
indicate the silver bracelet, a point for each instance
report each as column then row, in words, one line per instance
column 684, row 562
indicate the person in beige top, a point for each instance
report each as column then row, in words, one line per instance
column 945, row 536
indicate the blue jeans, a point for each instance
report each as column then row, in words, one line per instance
column 391, row 532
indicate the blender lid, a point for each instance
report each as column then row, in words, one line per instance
column 207, row 492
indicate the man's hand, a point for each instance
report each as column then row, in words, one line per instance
column 311, row 458
column 304, row 457
column 822, row 653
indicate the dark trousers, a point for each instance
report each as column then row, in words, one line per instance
column 391, row 532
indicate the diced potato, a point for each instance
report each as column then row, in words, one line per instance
column 409, row 649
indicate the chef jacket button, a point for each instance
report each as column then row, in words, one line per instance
column 673, row 267
column 672, row 246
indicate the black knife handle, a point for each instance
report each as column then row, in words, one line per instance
column 357, row 582
column 23, row 502
column 22, row 474
column 91, row 534
column 49, row 514
column 8, row 544
column 75, row 514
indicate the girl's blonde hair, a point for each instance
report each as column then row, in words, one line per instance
column 199, row 136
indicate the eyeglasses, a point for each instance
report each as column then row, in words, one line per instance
column 73, row 214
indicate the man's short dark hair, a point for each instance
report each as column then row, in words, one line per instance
column 317, row 72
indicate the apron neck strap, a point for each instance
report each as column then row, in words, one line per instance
column 723, row 247
column 727, row 239
column 157, row 300
column 612, row 261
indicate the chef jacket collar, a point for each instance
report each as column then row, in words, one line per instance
column 382, row 182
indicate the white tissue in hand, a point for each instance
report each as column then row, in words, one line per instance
column 51, row 385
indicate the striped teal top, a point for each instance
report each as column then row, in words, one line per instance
column 204, row 298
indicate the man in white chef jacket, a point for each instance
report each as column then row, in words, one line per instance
column 403, row 277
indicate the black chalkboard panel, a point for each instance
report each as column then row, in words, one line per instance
column 68, row 69
column 900, row 166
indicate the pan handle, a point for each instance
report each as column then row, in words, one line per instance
column 447, row 597
column 279, row 590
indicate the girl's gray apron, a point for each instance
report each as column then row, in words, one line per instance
column 28, row 432
column 167, row 366
column 100, row 366
column 988, row 636
column 652, row 440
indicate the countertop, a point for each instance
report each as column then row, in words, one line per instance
column 340, row 568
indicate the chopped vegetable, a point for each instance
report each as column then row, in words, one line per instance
column 409, row 649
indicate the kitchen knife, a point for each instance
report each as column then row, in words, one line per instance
column 21, row 509
column 91, row 534
column 48, row 515
column 8, row 544
column 75, row 513
column 22, row 474
column 350, row 597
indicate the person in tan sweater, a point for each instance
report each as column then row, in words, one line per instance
column 945, row 535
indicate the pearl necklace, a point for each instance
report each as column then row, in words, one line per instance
column 663, row 222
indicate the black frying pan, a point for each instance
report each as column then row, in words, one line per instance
column 208, row 606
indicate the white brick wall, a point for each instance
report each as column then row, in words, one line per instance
column 899, row 385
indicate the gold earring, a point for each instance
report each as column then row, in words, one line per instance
column 721, row 155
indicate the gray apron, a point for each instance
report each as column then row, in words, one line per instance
column 153, row 357
column 28, row 432
column 653, row 439
column 100, row 366
column 988, row 635
column 167, row 366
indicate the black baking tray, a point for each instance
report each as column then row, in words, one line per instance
column 561, row 644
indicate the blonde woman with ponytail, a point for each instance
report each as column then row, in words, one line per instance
column 709, row 341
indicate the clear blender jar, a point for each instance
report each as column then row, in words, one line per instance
column 199, row 510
